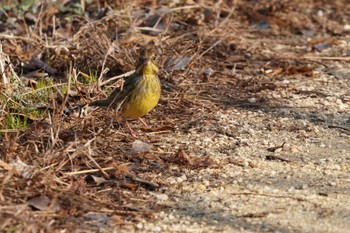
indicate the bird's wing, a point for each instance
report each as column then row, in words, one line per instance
column 119, row 95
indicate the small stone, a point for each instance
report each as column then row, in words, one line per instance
column 302, row 134
column 139, row 146
column 201, row 187
column 286, row 147
column 265, row 142
column 139, row 225
column 338, row 101
column 252, row 100
column 206, row 182
column 294, row 149
column 171, row 180
column 343, row 107
column 181, row 178
column 278, row 150
column 245, row 163
column 332, row 183
column 162, row 197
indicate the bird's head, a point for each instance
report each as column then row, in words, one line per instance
column 146, row 64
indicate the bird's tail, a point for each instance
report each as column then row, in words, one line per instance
column 101, row 103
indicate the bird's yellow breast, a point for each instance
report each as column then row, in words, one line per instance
column 144, row 98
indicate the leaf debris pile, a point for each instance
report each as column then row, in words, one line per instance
column 59, row 170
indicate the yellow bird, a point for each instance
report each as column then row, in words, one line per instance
column 140, row 92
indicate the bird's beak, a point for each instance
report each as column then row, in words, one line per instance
column 147, row 62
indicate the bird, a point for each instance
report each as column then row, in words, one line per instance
column 139, row 94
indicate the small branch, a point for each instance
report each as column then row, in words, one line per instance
column 273, row 149
column 338, row 127
column 127, row 74
column 327, row 58
column 88, row 171
column 147, row 184
column 88, row 154
column 10, row 37
column 275, row 157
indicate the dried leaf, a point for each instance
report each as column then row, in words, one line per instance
column 145, row 183
column 302, row 69
column 183, row 157
column 117, row 220
column 43, row 203
column 161, row 196
column 122, row 171
column 130, row 186
column 174, row 63
column 95, row 179
column 22, row 168
column 201, row 162
column 98, row 219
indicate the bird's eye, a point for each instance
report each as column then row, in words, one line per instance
column 151, row 56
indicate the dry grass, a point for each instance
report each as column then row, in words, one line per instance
column 212, row 56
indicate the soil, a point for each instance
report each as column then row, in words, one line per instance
column 252, row 135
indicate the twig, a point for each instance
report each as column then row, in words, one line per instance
column 212, row 46
column 259, row 214
column 338, row 127
column 43, row 88
column 103, row 70
column 224, row 21
column 10, row 37
column 273, row 149
column 88, row 171
column 68, row 88
column 127, row 74
column 147, row 184
column 185, row 7
column 276, row 157
column 87, row 145
column 328, row 58
column 5, row 80
column 149, row 29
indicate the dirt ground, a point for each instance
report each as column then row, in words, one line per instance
column 252, row 132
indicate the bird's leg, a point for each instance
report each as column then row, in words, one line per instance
column 112, row 121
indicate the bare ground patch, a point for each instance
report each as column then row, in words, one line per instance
column 251, row 133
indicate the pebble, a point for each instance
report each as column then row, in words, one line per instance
column 302, row 134
column 171, row 180
column 181, row 178
column 343, row 107
column 162, row 197
column 206, row 182
column 157, row 229
column 139, row 225
column 332, row 183
column 252, row 100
